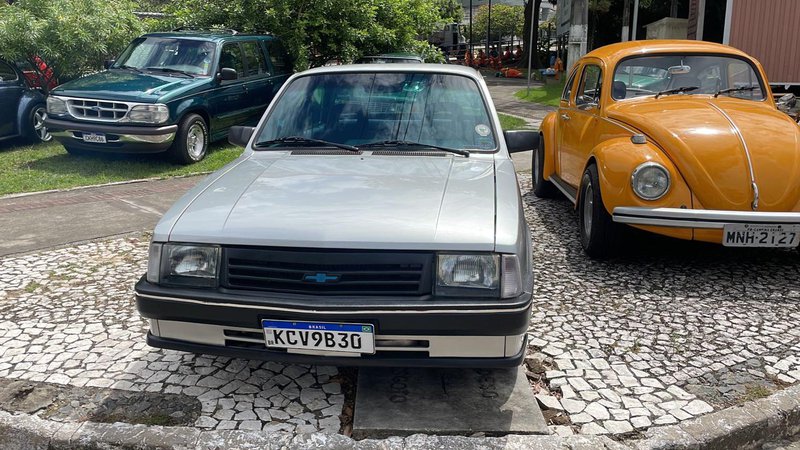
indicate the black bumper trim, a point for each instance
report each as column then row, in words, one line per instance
column 366, row 361
column 109, row 129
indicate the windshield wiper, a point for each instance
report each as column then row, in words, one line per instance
column 736, row 89
column 416, row 144
column 679, row 90
column 171, row 70
column 303, row 140
column 135, row 69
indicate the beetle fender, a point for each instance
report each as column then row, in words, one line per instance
column 548, row 131
column 616, row 160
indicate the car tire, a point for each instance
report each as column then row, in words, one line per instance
column 191, row 140
column 35, row 130
column 541, row 187
column 598, row 232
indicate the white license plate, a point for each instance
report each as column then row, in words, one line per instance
column 753, row 235
column 95, row 138
column 320, row 336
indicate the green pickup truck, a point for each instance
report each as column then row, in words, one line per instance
column 170, row 92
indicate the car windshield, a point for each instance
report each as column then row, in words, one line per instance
column 687, row 75
column 371, row 108
column 171, row 56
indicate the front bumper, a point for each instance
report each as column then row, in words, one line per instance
column 424, row 334
column 699, row 218
column 122, row 139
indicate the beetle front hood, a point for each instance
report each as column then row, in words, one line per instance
column 124, row 85
column 701, row 136
column 274, row 198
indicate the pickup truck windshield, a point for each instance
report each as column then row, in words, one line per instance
column 686, row 75
column 168, row 56
column 362, row 108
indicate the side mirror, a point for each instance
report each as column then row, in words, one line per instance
column 521, row 140
column 240, row 136
column 786, row 102
column 228, row 74
column 108, row 63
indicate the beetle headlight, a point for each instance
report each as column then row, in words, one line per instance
column 149, row 114
column 183, row 264
column 56, row 106
column 478, row 275
column 650, row 181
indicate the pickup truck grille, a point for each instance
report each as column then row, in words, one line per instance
column 97, row 109
column 321, row 272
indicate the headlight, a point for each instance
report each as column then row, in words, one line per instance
column 468, row 275
column 56, row 106
column 650, row 181
column 188, row 265
column 149, row 114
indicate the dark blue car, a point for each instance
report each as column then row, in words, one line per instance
column 22, row 107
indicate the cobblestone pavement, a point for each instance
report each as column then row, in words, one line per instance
column 667, row 331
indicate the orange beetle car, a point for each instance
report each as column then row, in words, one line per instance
column 679, row 138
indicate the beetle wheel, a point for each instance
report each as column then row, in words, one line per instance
column 598, row 232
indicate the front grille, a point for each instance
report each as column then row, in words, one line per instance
column 327, row 272
column 97, row 109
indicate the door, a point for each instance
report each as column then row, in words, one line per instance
column 565, row 107
column 257, row 80
column 11, row 88
column 228, row 102
column 579, row 123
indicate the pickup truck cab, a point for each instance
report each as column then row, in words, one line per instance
column 170, row 92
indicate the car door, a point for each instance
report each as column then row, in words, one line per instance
column 12, row 87
column 257, row 80
column 279, row 62
column 579, row 124
column 566, row 104
column 229, row 101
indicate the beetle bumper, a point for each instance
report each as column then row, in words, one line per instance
column 699, row 218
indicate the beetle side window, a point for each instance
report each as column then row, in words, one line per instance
column 231, row 58
column 568, row 87
column 589, row 91
column 7, row 73
column 256, row 63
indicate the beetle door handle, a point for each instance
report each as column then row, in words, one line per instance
column 565, row 117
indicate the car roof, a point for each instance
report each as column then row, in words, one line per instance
column 210, row 35
column 615, row 52
column 403, row 67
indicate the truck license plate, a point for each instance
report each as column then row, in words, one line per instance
column 320, row 336
column 95, row 138
column 760, row 235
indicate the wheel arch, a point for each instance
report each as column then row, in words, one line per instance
column 30, row 99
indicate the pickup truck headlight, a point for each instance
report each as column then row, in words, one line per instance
column 650, row 181
column 56, row 106
column 153, row 114
column 183, row 265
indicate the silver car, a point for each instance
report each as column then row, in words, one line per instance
column 373, row 219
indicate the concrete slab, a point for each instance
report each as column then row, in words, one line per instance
column 404, row 401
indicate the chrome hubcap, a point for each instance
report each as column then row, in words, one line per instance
column 38, row 125
column 196, row 141
column 588, row 202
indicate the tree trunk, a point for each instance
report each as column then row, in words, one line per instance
column 526, row 34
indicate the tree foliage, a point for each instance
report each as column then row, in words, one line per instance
column 316, row 31
column 507, row 21
column 74, row 37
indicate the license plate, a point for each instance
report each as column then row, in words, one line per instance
column 751, row 235
column 319, row 336
column 95, row 138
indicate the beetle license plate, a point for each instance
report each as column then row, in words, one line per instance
column 752, row 235
column 94, row 138
column 319, row 336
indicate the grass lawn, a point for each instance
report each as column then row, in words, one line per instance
column 549, row 94
column 512, row 123
column 31, row 168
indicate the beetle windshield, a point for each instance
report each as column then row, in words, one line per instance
column 687, row 75
column 365, row 108
column 168, row 55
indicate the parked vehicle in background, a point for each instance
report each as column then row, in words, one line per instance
column 170, row 92
column 679, row 138
column 22, row 106
column 391, row 58
column 374, row 219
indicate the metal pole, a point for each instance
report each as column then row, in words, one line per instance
column 470, row 26
column 489, row 29
column 635, row 18
column 530, row 45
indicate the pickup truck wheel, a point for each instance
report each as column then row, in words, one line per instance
column 36, row 130
column 191, row 140
column 541, row 187
column 598, row 232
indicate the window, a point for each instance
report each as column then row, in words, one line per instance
column 589, row 91
column 256, row 63
column 7, row 73
column 169, row 55
column 278, row 57
column 568, row 87
column 231, row 58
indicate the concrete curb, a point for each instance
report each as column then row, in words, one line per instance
column 113, row 183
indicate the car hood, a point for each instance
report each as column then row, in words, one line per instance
column 346, row 201
column 701, row 137
column 125, row 85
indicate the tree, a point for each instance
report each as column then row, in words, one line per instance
column 531, row 6
column 73, row 37
column 506, row 21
